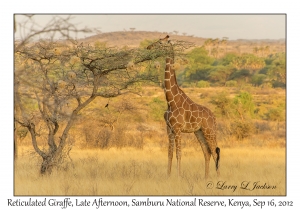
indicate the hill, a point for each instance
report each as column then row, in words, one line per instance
column 134, row 38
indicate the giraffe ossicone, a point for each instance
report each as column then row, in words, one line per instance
column 185, row 116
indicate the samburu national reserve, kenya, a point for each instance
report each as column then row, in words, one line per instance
column 176, row 202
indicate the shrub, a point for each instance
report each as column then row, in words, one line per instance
column 258, row 79
column 244, row 103
column 223, row 103
column 241, row 129
column 231, row 83
column 275, row 114
column 158, row 108
column 262, row 126
column 203, row 84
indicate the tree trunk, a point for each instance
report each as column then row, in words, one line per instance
column 51, row 159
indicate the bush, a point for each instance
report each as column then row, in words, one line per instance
column 275, row 114
column 262, row 126
column 223, row 103
column 241, row 129
column 231, row 83
column 203, row 84
column 258, row 79
column 158, row 108
column 244, row 103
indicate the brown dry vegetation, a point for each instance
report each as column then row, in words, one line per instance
column 117, row 151
column 130, row 171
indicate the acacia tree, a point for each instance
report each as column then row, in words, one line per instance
column 58, row 79
column 26, row 30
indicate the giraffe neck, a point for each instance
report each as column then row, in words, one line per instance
column 171, row 87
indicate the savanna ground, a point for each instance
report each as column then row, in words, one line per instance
column 128, row 155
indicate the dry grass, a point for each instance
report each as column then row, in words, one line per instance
column 130, row 171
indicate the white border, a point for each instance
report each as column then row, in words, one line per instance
column 237, row 6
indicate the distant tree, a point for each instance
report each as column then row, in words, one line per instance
column 224, row 43
column 220, row 74
column 255, row 50
column 199, row 65
column 258, row 79
column 276, row 70
column 228, row 59
column 132, row 29
column 208, row 45
column 240, row 75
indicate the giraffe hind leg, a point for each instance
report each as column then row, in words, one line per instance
column 206, row 150
column 212, row 144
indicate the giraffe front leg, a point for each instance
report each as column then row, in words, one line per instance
column 178, row 152
column 170, row 149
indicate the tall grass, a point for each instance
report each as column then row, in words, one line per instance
column 130, row 171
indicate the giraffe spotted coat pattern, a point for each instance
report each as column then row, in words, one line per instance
column 185, row 116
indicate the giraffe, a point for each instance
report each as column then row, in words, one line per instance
column 185, row 116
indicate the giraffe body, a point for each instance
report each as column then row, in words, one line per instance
column 185, row 116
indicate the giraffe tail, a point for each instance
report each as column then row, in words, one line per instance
column 218, row 157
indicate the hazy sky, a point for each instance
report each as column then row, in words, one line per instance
column 206, row 26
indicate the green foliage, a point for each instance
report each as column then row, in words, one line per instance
column 276, row 69
column 228, row 59
column 220, row 74
column 199, row 65
column 243, row 73
column 203, row 84
column 248, row 61
column 199, row 56
column 198, row 74
column 223, row 103
column 258, row 79
column 244, row 104
column 244, row 68
column 157, row 109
